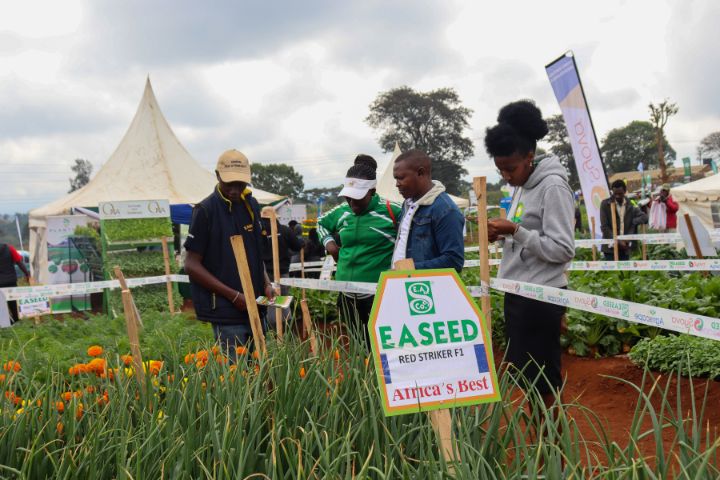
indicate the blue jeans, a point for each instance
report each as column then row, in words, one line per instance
column 231, row 336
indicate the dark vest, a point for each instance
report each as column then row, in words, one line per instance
column 224, row 222
column 8, row 277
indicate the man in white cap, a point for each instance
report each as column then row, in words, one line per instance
column 217, row 293
column 364, row 225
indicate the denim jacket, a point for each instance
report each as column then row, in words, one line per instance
column 436, row 235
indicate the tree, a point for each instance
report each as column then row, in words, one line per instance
column 625, row 147
column 431, row 121
column 659, row 115
column 559, row 143
column 278, row 178
column 82, row 170
column 709, row 146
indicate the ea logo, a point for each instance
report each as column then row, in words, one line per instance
column 154, row 207
column 597, row 195
column 420, row 298
column 110, row 210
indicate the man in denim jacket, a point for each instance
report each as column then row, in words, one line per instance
column 431, row 225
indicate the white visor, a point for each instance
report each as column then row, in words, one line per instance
column 357, row 188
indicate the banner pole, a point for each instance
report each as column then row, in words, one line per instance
column 613, row 210
column 480, row 187
column 592, row 232
column 166, row 259
column 246, row 280
column 440, row 419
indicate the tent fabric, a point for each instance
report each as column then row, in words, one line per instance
column 697, row 198
column 149, row 163
column 386, row 184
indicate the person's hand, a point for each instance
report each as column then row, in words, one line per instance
column 238, row 301
column 498, row 227
column 270, row 291
column 333, row 250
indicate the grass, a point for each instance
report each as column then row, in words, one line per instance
column 262, row 419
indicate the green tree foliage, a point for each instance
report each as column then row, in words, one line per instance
column 432, row 121
column 623, row 148
column 659, row 116
column 278, row 178
column 710, row 146
column 559, row 144
column 82, row 170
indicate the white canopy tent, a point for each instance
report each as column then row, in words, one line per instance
column 386, row 184
column 698, row 198
column 149, row 163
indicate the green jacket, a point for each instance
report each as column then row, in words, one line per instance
column 367, row 240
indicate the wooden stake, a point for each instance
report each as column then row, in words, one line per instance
column 307, row 320
column 246, row 280
column 269, row 212
column 613, row 210
column 440, row 419
column 693, row 237
column 643, row 229
column 132, row 319
column 166, row 259
column 592, row 233
column 480, row 187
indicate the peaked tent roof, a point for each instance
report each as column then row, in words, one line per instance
column 386, row 184
column 149, row 163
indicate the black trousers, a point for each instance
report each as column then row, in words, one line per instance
column 532, row 329
column 355, row 313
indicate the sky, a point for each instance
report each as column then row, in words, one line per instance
column 291, row 82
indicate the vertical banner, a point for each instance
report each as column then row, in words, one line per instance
column 688, row 170
column 565, row 82
column 65, row 263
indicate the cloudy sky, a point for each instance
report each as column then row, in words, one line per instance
column 291, row 81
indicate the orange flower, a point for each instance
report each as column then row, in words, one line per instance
column 202, row 355
column 367, row 361
column 2, row 377
column 241, row 350
column 67, row 396
column 221, row 360
column 97, row 365
column 215, row 350
column 90, row 389
column 155, row 366
column 11, row 366
column 336, row 355
column 60, row 428
column 79, row 411
column 12, row 397
column 201, row 363
column 256, row 355
column 95, row 351
column 127, row 360
column 60, row 406
column 302, row 372
column 189, row 358
column 103, row 399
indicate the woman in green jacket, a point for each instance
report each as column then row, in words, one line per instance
column 366, row 227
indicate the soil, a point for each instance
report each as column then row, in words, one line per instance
column 590, row 383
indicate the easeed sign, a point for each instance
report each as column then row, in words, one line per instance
column 429, row 343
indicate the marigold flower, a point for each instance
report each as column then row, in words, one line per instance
column 67, row 396
column 256, row 354
column 79, row 411
column 12, row 397
column 215, row 350
column 60, row 428
column 189, row 358
column 95, row 351
column 302, row 372
column 202, row 355
column 11, row 366
column 240, row 350
column 97, row 366
column 126, row 359
column 221, row 360
column 367, row 361
column 2, row 377
column 155, row 366
column 201, row 363
column 90, row 389
column 336, row 355
column 60, row 406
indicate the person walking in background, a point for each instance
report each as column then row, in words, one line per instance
column 431, row 225
column 217, row 292
column 538, row 243
column 365, row 224
column 9, row 257
column 627, row 218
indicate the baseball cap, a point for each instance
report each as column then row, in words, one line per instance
column 233, row 166
column 356, row 188
column 665, row 186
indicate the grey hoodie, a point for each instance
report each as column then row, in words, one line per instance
column 541, row 249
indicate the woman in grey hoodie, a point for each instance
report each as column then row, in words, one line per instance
column 538, row 242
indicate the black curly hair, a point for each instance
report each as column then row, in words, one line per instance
column 520, row 126
column 364, row 167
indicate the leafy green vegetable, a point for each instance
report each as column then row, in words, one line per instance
column 688, row 354
column 136, row 229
